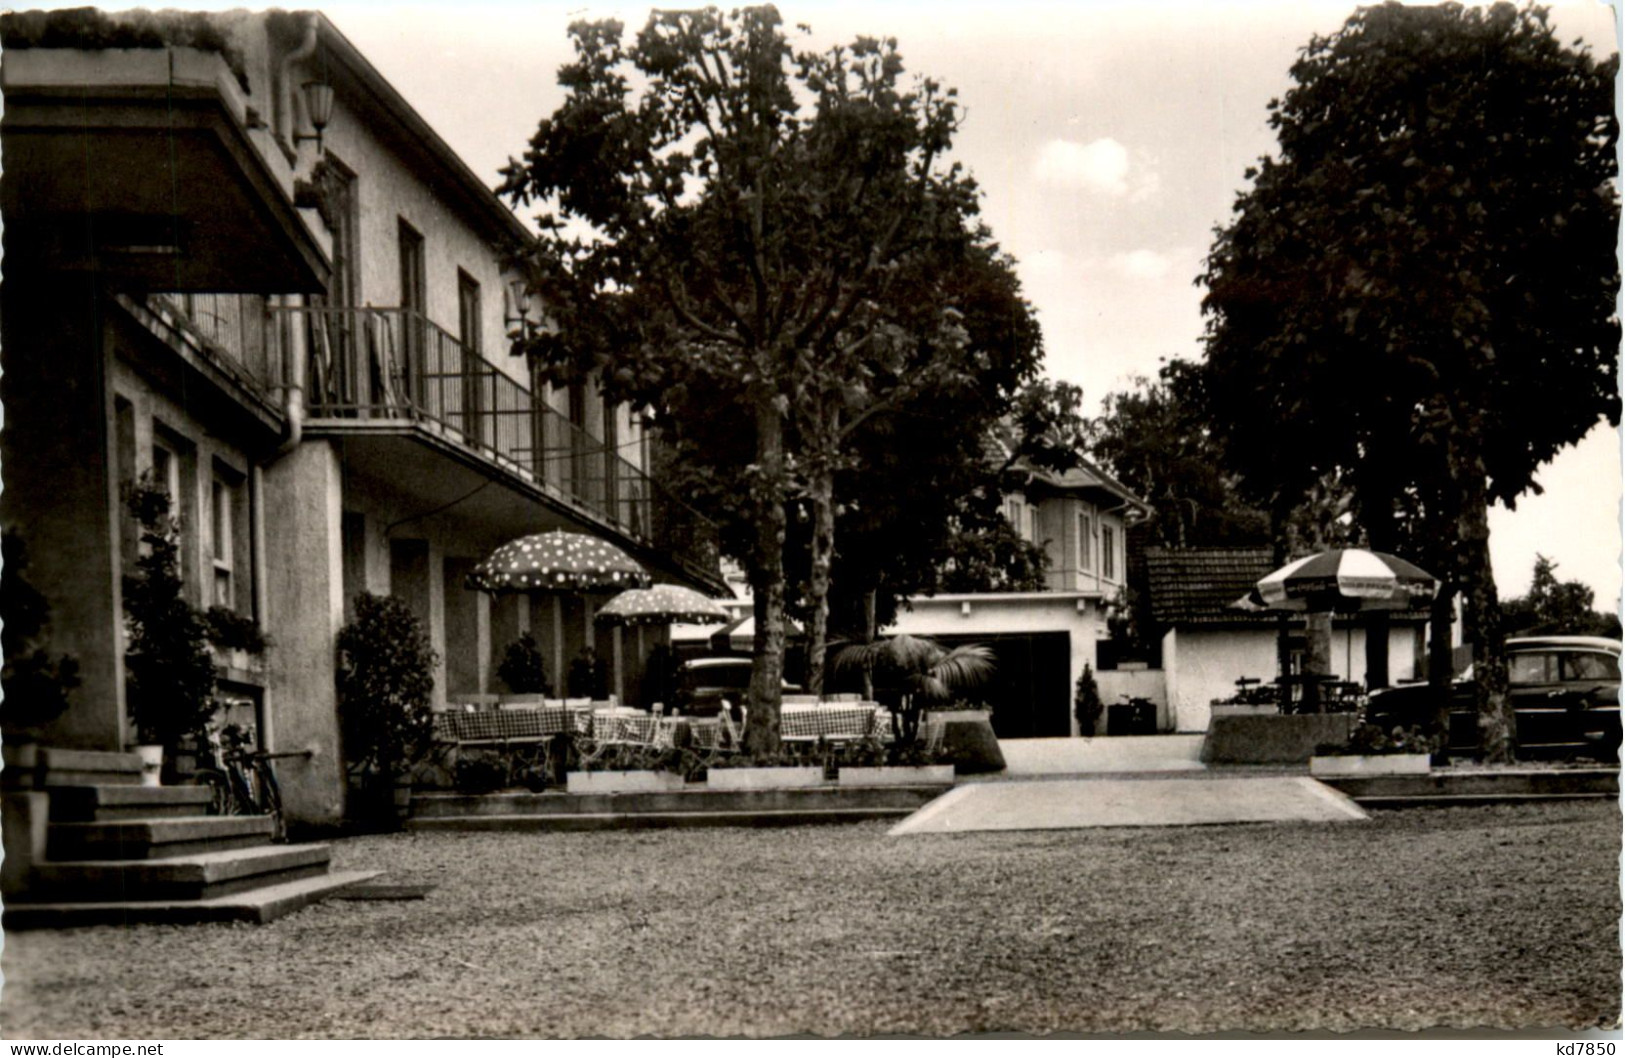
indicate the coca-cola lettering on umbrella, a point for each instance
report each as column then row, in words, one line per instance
column 1347, row 579
column 661, row 605
column 557, row 561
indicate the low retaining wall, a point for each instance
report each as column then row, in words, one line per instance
column 1479, row 786
column 1272, row 739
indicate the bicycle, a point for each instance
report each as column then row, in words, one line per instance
column 240, row 779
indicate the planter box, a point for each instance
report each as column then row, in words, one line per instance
column 605, row 782
column 1377, row 764
column 925, row 775
column 763, row 778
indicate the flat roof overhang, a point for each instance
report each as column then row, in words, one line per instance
column 436, row 475
column 141, row 170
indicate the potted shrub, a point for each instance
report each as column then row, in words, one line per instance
column 385, row 680
column 925, row 674
column 1086, row 703
column 1372, row 751
column 36, row 684
column 169, row 671
column 629, row 769
column 522, row 669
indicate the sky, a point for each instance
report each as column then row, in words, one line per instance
column 1109, row 140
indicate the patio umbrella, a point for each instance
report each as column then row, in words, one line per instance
column 1344, row 580
column 557, row 561
column 660, row 605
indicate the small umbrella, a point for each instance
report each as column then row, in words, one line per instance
column 557, row 561
column 1346, row 579
column 662, row 604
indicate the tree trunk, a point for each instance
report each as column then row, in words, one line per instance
column 869, row 631
column 767, row 670
column 1441, row 665
column 1317, row 660
column 821, row 490
column 1376, row 650
column 1497, row 727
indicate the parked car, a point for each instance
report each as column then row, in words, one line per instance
column 1565, row 694
column 704, row 683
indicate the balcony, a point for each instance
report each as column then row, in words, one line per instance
column 392, row 370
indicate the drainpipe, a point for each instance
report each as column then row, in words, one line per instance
column 293, row 385
column 305, row 50
column 259, row 570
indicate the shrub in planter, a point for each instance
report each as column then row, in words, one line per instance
column 169, row 672
column 36, row 684
column 1370, row 740
column 385, row 679
column 522, row 669
column 924, row 673
column 480, row 773
column 1086, row 703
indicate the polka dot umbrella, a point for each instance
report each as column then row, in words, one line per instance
column 557, row 561
column 660, row 605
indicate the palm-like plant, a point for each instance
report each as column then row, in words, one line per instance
column 923, row 670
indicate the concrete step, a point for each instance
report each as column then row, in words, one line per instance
column 198, row 877
column 814, row 798
column 258, row 905
column 84, row 767
column 576, row 821
column 88, row 804
column 1447, row 785
column 151, row 839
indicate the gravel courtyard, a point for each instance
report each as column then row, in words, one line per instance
column 1465, row 917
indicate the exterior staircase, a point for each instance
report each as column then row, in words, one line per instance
column 104, row 850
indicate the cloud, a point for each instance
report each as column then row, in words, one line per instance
column 1142, row 264
column 1102, row 166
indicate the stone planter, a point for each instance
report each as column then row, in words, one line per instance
column 152, row 764
column 923, row 775
column 763, row 778
column 609, row 782
column 1376, row 764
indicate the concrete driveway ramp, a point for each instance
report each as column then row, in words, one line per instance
column 1074, row 803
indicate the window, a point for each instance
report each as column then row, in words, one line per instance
column 1032, row 524
column 1590, row 667
column 414, row 299
column 166, row 473
column 1086, row 542
column 1012, row 513
column 474, row 373
column 1531, row 668
column 226, row 521
column 1108, row 552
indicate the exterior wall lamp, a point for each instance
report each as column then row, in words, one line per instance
column 518, row 314
column 318, row 109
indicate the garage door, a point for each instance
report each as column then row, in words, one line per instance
column 1030, row 693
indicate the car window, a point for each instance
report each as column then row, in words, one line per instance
column 1532, row 667
column 1590, row 667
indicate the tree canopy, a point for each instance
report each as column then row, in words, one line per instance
column 757, row 239
column 1552, row 607
column 1417, row 292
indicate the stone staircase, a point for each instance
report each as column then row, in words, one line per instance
column 102, row 849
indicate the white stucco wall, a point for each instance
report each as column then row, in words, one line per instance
column 1079, row 616
column 1204, row 664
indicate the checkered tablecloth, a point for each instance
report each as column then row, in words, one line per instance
column 826, row 721
column 507, row 725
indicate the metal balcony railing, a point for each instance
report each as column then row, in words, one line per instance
column 232, row 327
column 394, row 364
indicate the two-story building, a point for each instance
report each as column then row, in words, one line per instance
column 1042, row 640
column 240, row 264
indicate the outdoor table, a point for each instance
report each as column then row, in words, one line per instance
column 832, row 722
column 510, row 725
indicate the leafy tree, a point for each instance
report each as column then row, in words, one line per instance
column 740, row 221
column 1418, row 292
column 36, row 684
column 920, row 670
column 1156, row 439
column 1553, row 608
column 168, row 670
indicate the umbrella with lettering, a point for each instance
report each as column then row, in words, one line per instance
column 1346, row 579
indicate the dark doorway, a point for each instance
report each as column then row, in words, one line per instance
column 1030, row 692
